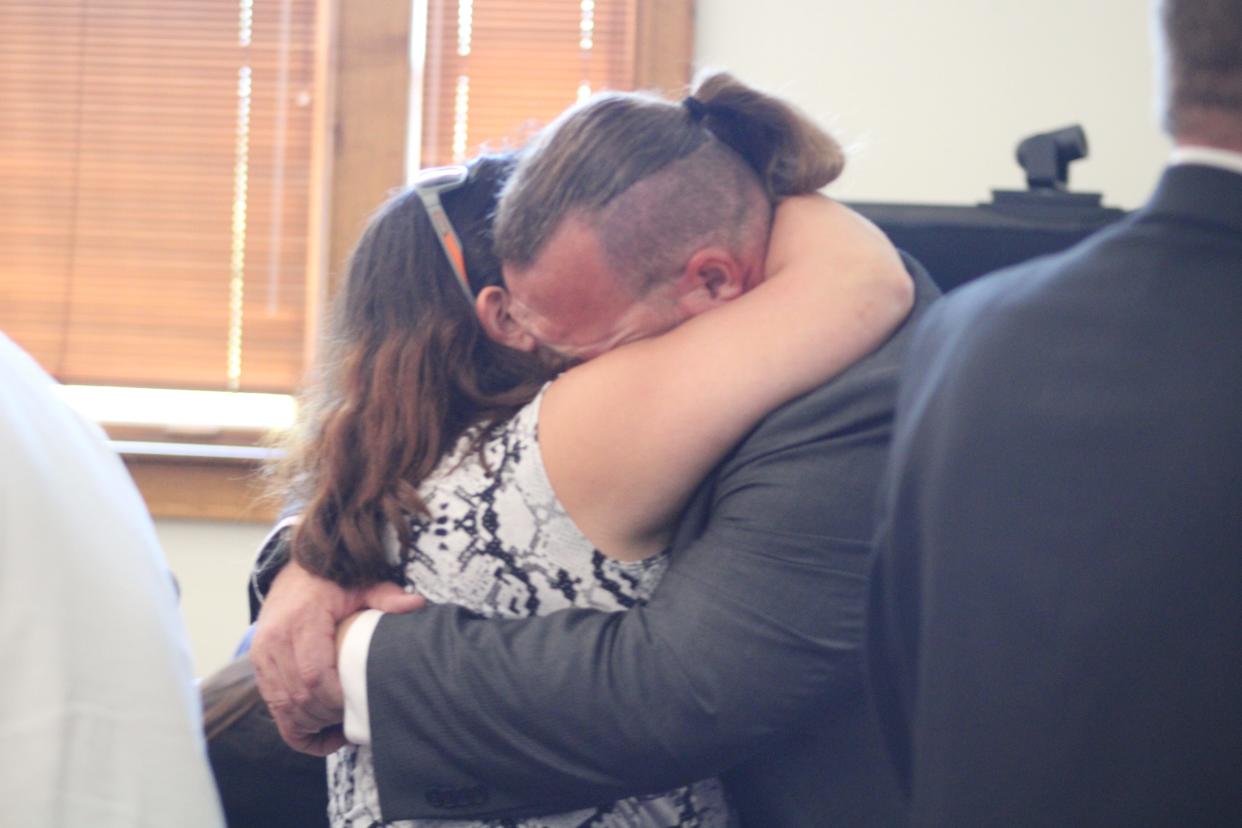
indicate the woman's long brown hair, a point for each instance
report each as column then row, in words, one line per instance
column 407, row 369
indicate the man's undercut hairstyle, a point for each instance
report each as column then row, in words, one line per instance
column 658, row 180
column 1200, row 53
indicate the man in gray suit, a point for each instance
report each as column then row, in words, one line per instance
column 1056, row 630
column 747, row 658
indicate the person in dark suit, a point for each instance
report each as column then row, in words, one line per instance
column 1055, row 630
column 746, row 657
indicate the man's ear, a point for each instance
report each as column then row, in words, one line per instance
column 711, row 277
column 492, row 308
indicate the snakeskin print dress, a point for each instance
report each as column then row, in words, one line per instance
column 498, row 542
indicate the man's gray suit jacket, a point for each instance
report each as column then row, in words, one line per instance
column 1056, row 631
column 746, row 661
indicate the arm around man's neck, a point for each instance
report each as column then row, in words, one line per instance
column 753, row 632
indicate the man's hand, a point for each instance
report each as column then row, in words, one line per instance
column 294, row 652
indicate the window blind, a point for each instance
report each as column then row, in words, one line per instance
column 496, row 70
column 156, row 167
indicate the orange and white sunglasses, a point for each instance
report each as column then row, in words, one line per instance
column 429, row 184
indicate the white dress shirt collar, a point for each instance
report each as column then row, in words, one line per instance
column 1208, row 156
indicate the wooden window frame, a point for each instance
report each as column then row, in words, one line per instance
column 359, row 155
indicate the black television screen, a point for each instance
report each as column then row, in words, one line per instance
column 957, row 244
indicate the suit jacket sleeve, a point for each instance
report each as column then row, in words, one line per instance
column 757, row 624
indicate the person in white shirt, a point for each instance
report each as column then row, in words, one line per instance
column 98, row 710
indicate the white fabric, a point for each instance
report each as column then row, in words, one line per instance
column 352, row 665
column 1208, row 156
column 99, row 715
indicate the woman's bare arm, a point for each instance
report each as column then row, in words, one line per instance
column 628, row 436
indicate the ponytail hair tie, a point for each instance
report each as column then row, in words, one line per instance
column 696, row 108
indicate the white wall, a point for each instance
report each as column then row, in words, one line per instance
column 212, row 563
column 934, row 95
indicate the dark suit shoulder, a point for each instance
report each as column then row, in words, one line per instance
column 864, row 391
column 831, row 442
column 1191, row 225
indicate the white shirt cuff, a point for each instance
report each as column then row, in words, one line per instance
column 351, row 664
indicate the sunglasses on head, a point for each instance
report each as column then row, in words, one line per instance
column 429, row 184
